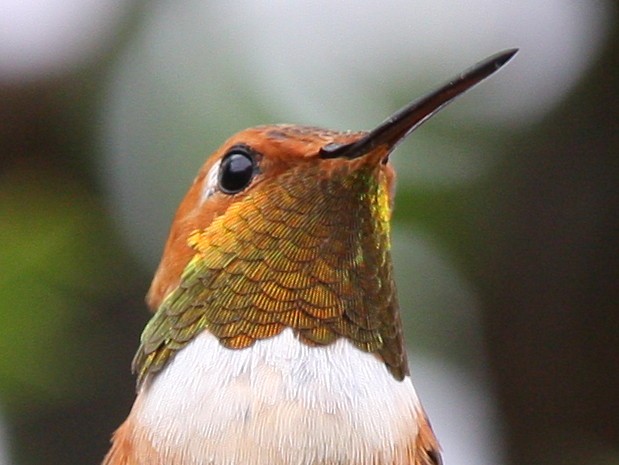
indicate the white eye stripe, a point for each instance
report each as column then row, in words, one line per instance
column 210, row 182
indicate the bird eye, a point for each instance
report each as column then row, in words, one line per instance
column 236, row 170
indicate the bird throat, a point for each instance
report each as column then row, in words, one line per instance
column 297, row 253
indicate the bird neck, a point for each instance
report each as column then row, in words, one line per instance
column 320, row 267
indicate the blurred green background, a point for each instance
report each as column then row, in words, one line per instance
column 506, row 236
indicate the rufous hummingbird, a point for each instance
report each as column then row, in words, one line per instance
column 276, row 338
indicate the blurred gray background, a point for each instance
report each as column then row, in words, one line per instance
column 506, row 224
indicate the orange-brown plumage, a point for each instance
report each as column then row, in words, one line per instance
column 284, row 144
column 283, row 252
column 276, row 337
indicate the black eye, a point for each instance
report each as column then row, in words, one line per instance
column 236, row 170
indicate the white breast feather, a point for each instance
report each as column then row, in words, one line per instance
column 277, row 402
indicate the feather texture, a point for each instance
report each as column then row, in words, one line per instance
column 308, row 250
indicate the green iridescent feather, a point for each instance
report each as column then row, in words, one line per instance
column 308, row 250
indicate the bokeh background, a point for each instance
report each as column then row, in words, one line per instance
column 506, row 233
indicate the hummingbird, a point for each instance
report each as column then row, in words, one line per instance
column 276, row 336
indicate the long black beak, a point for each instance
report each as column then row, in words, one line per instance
column 402, row 123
